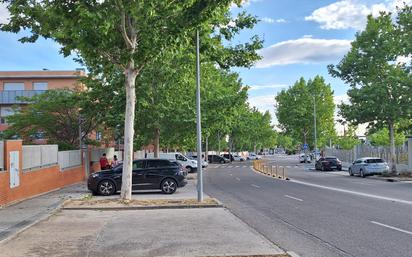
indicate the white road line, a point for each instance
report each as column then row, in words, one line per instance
column 217, row 166
column 238, row 179
column 230, row 174
column 229, row 166
column 394, row 228
column 294, row 198
column 353, row 192
column 237, row 167
column 253, row 185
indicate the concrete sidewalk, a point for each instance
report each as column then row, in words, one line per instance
column 19, row 216
column 183, row 232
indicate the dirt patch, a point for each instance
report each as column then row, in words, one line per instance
column 118, row 203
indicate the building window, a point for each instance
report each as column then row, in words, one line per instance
column 11, row 86
column 98, row 136
column 40, row 85
column 6, row 111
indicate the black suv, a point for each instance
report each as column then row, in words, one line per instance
column 147, row 174
column 328, row 163
column 217, row 159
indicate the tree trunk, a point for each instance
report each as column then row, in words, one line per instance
column 130, row 74
column 156, row 142
column 207, row 148
column 254, row 148
column 392, row 146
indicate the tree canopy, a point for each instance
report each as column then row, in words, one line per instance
column 295, row 111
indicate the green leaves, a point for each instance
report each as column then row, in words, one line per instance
column 381, row 88
column 295, row 110
column 55, row 114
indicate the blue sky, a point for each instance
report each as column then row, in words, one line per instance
column 301, row 37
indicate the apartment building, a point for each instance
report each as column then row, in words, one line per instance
column 29, row 83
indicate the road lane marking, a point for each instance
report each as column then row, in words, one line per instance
column 253, row 185
column 394, row 228
column 294, row 198
column 238, row 179
column 230, row 174
column 352, row 192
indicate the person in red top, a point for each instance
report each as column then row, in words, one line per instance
column 104, row 163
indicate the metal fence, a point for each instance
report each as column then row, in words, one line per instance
column 38, row 156
column 361, row 151
column 68, row 159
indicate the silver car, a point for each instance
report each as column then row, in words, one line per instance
column 368, row 166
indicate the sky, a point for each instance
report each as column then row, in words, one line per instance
column 301, row 37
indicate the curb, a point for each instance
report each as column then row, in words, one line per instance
column 153, row 207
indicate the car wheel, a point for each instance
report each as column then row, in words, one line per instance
column 168, row 186
column 340, row 169
column 362, row 174
column 222, row 162
column 350, row 172
column 323, row 168
column 106, row 187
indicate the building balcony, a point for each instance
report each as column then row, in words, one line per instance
column 11, row 97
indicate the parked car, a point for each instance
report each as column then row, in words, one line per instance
column 304, row 158
column 189, row 164
column 147, row 174
column 368, row 166
column 328, row 163
column 253, row 156
column 204, row 163
column 233, row 157
column 217, row 159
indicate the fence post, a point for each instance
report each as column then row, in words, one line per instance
column 283, row 173
column 271, row 171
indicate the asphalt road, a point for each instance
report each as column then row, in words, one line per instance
column 318, row 214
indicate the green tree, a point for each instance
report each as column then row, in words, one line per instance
column 55, row 114
column 122, row 34
column 295, row 111
column 381, row 138
column 380, row 87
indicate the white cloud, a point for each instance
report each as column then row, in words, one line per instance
column 347, row 14
column 264, row 103
column 260, row 87
column 338, row 99
column 270, row 20
column 245, row 3
column 4, row 13
column 303, row 50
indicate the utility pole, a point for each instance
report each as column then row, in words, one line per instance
column 199, row 126
column 314, row 122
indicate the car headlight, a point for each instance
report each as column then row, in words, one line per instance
column 95, row 175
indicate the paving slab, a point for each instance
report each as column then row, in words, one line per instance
column 183, row 232
column 14, row 218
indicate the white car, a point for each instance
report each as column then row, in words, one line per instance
column 204, row 163
column 238, row 158
column 253, row 156
column 189, row 164
column 304, row 158
column 368, row 166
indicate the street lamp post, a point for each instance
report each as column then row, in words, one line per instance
column 314, row 122
column 199, row 126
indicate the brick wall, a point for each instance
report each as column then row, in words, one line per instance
column 34, row 182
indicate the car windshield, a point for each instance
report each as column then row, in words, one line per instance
column 374, row 161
